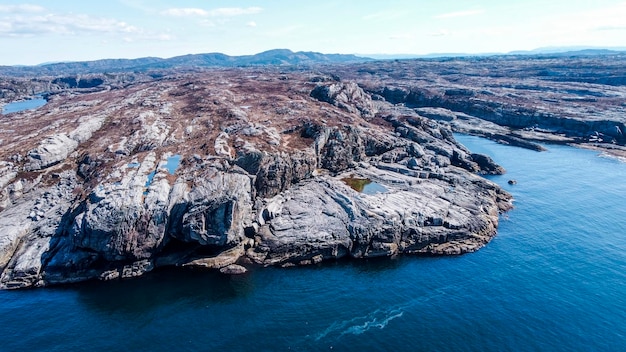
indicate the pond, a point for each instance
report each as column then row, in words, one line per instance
column 22, row 105
column 364, row 185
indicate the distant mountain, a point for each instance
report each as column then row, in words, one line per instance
column 271, row 57
column 426, row 56
column 547, row 51
column 571, row 51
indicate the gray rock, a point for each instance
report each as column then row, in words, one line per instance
column 348, row 96
column 326, row 219
column 233, row 269
column 50, row 151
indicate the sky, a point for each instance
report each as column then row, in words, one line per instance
column 39, row 31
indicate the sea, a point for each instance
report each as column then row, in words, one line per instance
column 553, row 279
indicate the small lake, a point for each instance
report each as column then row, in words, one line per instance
column 18, row 106
column 172, row 163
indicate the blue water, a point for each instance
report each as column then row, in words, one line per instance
column 554, row 279
column 149, row 181
column 373, row 188
column 172, row 163
column 23, row 105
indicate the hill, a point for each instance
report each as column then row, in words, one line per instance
column 271, row 57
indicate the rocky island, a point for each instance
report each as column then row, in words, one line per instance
column 222, row 168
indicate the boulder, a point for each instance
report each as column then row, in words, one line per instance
column 50, row 151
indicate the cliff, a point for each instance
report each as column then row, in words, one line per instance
column 227, row 168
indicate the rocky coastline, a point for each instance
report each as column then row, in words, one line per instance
column 227, row 168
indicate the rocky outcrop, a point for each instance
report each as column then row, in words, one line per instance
column 224, row 169
column 512, row 100
column 50, row 151
column 324, row 218
column 348, row 96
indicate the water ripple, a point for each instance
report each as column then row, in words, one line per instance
column 377, row 319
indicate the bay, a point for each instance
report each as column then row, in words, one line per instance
column 554, row 279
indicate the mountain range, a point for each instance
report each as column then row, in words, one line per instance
column 276, row 57
column 546, row 51
column 271, row 57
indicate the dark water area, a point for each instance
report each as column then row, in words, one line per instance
column 23, row 105
column 554, row 279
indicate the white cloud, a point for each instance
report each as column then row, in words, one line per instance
column 185, row 12
column 440, row 33
column 219, row 12
column 21, row 8
column 251, row 24
column 459, row 14
column 234, row 11
column 30, row 20
column 24, row 26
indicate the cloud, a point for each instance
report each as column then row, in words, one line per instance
column 21, row 8
column 610, row 28
column 219, row 12
column 459, row 14
column 24, row 26
column 185, row 12
column 251, row 24
column 440, row 33
column 234, row 11
column 29, row 20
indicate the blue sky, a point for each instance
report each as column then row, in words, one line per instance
column 37, row 31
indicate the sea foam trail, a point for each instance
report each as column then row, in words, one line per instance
column 374, row 323
column 379, row 318
column 358, row 325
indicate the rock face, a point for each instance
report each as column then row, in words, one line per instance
column 348, row 96
column 225, row 168
column 324, row 218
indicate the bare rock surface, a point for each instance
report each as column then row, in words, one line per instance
column 220, row 169
column 518, row 100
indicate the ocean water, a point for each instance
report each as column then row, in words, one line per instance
column 554, row 279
